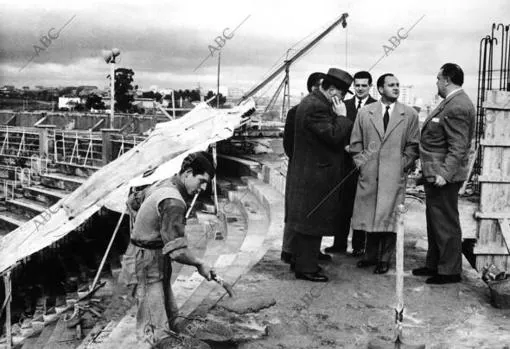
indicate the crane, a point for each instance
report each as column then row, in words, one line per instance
column 286, row 67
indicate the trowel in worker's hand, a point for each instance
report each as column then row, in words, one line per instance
column 223, row 283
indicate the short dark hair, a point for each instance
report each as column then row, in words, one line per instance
column 454, row 73
column 380, row 81
column 199, row 163
column 313, row 81
column 363, row 75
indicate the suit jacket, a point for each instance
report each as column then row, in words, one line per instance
column 446, row 138
column 383, row 159
column 316, row 166
column 350, row 105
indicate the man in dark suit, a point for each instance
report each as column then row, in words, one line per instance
column 362, row 84
column 444, row 152
column 321, row 129
column 312, row 84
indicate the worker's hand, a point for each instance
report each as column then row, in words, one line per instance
column 339, row 107
column 440, row 181
column 205, row 271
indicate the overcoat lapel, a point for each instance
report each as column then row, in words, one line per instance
column 397, row 116
column 376, row 119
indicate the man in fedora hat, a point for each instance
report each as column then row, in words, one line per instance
column 321, row 127
column 362, row 85
column 312, row 84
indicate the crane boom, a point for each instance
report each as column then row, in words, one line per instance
column 301, row 52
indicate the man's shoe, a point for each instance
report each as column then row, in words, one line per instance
column 424, row 271
column 382, row 268
column 286, row 257
column 358, row 253
column 443, row 279
column 324, row 257
column 314, row 277
column 363, row 263
column 335, row 249
column 293, row 267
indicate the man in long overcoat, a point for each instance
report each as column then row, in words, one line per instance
column 312, row 84
column 384, row 143
column 362, row 85
column 320, row 131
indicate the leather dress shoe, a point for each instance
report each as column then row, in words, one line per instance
column 443, row 279
column 314, row 277
column 382, row 268
column 324, row 257
column 358, row 253
column 335, row 249
column 286, row 257
column 363, row 263
column 424, row 271
column 293, row 267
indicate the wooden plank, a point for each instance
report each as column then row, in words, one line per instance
column 501, row 262
column 495, row 197
column 497, row 99
column 492, row 249
column 493, row 179
column 489, row 239
column 62, row 337
column 504, row 225
column 44, row 336
column 492, row 215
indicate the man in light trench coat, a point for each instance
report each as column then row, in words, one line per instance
column 384, row 144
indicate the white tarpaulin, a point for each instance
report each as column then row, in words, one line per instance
column 163, row 150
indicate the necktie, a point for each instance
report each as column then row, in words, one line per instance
column 386, row 118
column 359, row 104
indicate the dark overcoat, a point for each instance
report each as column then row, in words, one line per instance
column 316, row 166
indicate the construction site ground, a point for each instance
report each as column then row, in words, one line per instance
column 356, row 306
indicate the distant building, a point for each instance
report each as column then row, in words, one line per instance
column 145, row 103
column 407, row 95
column 68, row 102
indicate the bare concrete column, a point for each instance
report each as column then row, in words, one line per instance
column 44, row 140
column 107, row 147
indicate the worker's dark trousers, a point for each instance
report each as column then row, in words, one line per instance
column 288, row 237
column 443, row 228
column 306, row 250
column 380, row 246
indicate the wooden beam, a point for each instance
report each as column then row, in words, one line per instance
column 492, row 215
column 504, row 225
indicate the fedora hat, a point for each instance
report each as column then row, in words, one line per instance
column 340, row 79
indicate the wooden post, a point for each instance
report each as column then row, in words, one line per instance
column 8, row 295
column 493, row 233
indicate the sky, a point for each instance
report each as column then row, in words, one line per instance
column 163, row 42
